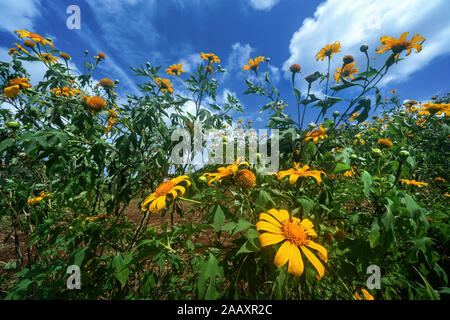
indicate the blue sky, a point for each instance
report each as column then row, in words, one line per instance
column 131, row 32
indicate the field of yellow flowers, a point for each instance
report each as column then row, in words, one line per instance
column 89, row 182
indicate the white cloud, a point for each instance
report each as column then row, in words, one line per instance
column 18, row 14
column 274, row 74
column 191, row 62
column 356, row 22
column 263, row 4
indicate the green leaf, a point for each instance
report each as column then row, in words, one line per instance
column 262, row 199
column 219, row 218
column 307, row 204
column 209, row 279
column 341, row 167
column 367, row 180
column 6, row 144
column 121, row 270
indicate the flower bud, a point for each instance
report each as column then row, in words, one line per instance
column 117, row 81
column 86, row 52
column 364, row 48
column 336, row 114
column 377, row 151
column 267, row 59
column 202, row 179
column 404, row 154
column 311, row 125
column 353, row 156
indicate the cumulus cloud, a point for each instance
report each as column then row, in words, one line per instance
column 18, row 14
column 356, row 22
column 263, row 4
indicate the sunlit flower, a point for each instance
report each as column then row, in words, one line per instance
column 398, row 45
column 413, row 182
column 347, row 60
column 297, row 171
column 157, row 200
column 354, row 116
column 316, row 134
column 164, row 85
column 349, row 173
column 95, row 104
column 253, row 64
column 209, row 69
column 393, row 91
column 18, row 49
column 33, row 36
column 210, row 57
column 439, row 179
column 66, row 91
column 21, row 82
column 11, row 92
column 224, row 172
column 296, row 235
column 65, row 56
column 175, row 69
column 100, row 56
column 347, row 71
column 366, row 294
column 245, row 178
column 434, row 108
column 385, row 143
column 106, row 83
column 328, row 51
column 48, row 58
column 39, row 199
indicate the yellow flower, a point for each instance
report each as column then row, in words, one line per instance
column 347, row 71
column 95, row 104
column 366, row 294
column 18, row 49
column 413, row 182
column 210, row 57
column 439, row 179
column 385, row 143
column 106, row 83
column 434, row 108
column 245, row 178
column 11, row 92
column 66, row 91
column 353, row 117
column 296, row 235
column 175, row 69
column 65, row 56
column 157, row 200
column 224, row 172
column 209, row 69
column 328, row 50
column 295, row 68
column 297, row 171
column 21, row 82
column 316, row 134
column 38, row 199
column 164, row 85
column 253, row 64
column 349, row 173
column 400, row 44
column 48, row 58
column 393, row 91
column 33, row 36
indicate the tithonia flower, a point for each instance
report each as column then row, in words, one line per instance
column 295, row 68
column 175, row 69
column 253, row 64
column 29, row 44
column 347, row 71
column 328, row 51
column 164, row 85
column 297, row 171
column 65, row 56
column 18, row 49
column 33, row 36
column 21, row 82
column 209, row 69
column 11, row 92
column 66, row 91
column 95, row 104
column 224, row 172
column 385, row 143
column 48, row 58
column 210, row 57
column 100, row 56
column 245, row 178
column 106, row 83
column 316, row 134
column 366, row 294
column 400, row 44
column 348, row 59
column 414, row 183
column 434, row 108
column 439, row 179
column 296, row 235
column 157, row 200
column 39, row 199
